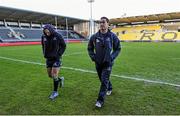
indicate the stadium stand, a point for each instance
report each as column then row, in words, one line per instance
column 22, row 25
column 7, row 35
column 13, row 34
column 33, row 34
column 148, row 33
column 158, row 27
column 17, row 25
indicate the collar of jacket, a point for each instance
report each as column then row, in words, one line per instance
column 51, row 36
column 98, row 34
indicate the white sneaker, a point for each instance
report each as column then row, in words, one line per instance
column 54, row 95
column 61, row 84
column 98, row 104
column 109, row 92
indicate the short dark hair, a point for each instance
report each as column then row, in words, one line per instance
column 107, row 20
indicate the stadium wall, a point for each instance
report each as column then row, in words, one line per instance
column 147, row 33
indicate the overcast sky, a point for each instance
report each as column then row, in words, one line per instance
column 109, row 8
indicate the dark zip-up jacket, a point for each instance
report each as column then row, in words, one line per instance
column 54, row 45
column 104, row 47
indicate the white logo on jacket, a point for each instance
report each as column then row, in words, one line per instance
column 97, row 40
column 54, row 38
column 108, row 39
column 44, row 39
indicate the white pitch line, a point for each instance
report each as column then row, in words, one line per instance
column 89, row 71
column 175, row 58
column 75, row 53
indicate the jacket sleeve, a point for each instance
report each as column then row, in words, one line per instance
column 91, row 48
column 42, row 43
column 116, row 47
column 62, row 46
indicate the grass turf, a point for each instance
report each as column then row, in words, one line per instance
column 25, row 87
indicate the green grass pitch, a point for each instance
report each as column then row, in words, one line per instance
column 25, row 87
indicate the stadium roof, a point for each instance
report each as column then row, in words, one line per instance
column 169, row 17
column 13, row 14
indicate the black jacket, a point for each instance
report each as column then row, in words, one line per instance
column 104, row 48
column 54, row 45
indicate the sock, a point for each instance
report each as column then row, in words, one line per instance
column 61, row 81
column 59, row 78
column 56, row 82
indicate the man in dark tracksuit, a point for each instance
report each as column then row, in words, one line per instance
column 53, row 46
column 103, row 48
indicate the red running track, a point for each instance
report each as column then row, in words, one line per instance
column 32, row 43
